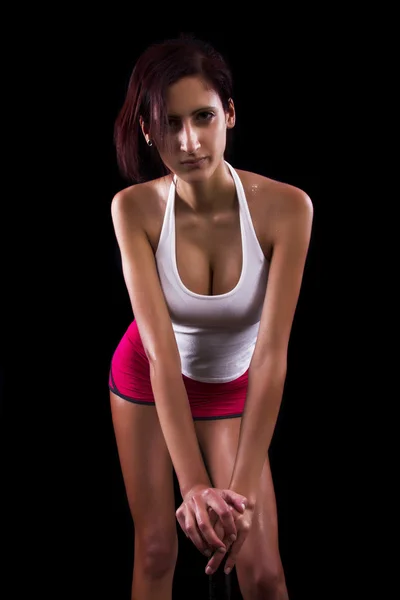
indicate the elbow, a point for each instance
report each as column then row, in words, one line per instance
column 273, row 364
column 164, row 360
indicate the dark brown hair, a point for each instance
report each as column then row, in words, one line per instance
column 160, row 65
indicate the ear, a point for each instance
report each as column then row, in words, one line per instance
column 230, row 115
column 145, row 129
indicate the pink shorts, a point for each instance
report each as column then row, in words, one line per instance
column 129, row 378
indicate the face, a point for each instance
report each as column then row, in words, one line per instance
column 197, row 129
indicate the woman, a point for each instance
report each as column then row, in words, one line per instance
column 213, row 260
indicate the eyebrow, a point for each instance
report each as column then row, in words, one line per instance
column 203, row 109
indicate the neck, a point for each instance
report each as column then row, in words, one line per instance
column 212, row 195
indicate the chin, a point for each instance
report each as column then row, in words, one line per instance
column 195, row 172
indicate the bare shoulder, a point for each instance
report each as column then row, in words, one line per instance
column 276, row 198
column 137, row 201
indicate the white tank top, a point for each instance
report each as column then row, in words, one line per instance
column 216, row 335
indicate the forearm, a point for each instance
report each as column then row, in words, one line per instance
column 177, row 426
column 264, row 396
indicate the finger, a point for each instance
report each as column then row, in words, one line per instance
column 224, row 513
column 213, row 516
column 192, row 531
column 215, row 561
column 237, row 500
column 227, row 540
column 218, row 557
column 180, row 517
column 205, row 526
column 223, row 510
column 234, row 551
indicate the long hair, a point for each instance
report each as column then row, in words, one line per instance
column 159, row 66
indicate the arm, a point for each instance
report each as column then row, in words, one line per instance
column 157, row 335
column 291, row 231
column 290, row 221
column 155, row 328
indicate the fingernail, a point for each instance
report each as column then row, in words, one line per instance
column 243, row 506
column 207, row 553
column 208, row 571
column 222, row 549
column 227, row 570
column 233, row 537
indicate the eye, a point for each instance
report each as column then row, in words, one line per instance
column 173, row 123
column 205, row 115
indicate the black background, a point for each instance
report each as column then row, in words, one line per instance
column 73, row 309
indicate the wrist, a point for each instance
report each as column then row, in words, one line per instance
column 190, row 489
column 248, row 492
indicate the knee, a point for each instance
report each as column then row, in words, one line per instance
column 156, row 553
column 266, row 582
column 271, row 585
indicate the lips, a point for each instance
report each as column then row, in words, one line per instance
column 193, row 162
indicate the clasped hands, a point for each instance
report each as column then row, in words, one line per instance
column 217, row 521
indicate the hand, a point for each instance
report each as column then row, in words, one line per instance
column 194, row 517
column 243, row 522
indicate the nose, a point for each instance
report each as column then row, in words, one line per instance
column 189, row 141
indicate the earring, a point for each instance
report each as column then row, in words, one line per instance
column 149, row 142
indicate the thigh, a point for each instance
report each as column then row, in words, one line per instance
column 219, row 441
column 146, row 465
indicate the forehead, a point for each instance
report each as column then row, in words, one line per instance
column 188, row 94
